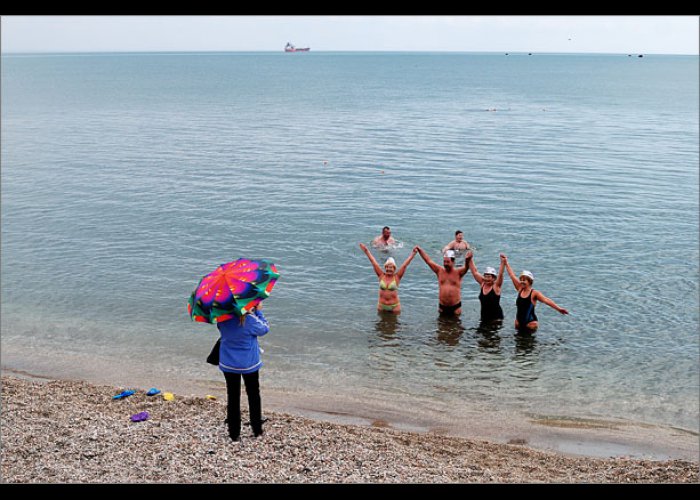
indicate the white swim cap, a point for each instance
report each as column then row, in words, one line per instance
column 450, row 254
column 490, row 270
column 390, row 260
column 528, row 274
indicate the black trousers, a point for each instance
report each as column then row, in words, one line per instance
column 233, row 393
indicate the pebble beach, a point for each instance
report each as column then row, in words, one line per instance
column 67, row 431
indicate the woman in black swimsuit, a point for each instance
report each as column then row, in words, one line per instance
column 490, row 294
column 527, row 299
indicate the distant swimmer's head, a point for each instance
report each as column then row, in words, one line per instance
column 390, row 265
column 459, row 236
column 527, row 275
column 386, row 231
column 490, row 273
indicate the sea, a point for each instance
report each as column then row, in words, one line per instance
column 126, row 177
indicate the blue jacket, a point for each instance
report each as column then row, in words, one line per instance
column 239, row 351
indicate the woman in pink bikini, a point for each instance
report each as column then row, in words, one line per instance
column 389, row 280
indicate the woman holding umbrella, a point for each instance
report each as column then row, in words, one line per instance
column 239, row 355
column 389, row 280
column 231, row 296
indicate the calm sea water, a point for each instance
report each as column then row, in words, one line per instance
column 127, row 177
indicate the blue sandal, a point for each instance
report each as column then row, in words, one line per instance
column 123, row 394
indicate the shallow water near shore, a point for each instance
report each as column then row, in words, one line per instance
column 125, row 178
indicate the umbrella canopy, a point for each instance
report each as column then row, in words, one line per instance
column 232, row 289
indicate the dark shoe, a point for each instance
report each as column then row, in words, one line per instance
column 257, row 427
column 234, row 432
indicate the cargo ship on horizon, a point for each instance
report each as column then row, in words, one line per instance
column 291, row 48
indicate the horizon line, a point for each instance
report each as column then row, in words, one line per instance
column 281, row 51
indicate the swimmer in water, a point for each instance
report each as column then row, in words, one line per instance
column 458, row 244
column 449, row 281
column 525, row 319
column 490, row 294
column 389, row 280
column 384, row 240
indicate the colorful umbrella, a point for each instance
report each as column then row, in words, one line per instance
column 232, row 289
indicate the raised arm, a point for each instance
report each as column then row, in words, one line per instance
column 541, row 297
column 477, row 276
column 432, row 265
column 467, row 261
column 371, row 258
column 513, row 277
column 405, row 264
column 499, row 278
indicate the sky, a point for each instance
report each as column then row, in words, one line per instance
column 486, row 33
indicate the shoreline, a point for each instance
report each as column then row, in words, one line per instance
column 561, row 434
column 62, row 431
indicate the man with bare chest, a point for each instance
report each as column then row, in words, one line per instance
column 449, row 281
column 384, row 240
column 458, row 244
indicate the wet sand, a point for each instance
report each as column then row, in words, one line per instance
column 69, row 431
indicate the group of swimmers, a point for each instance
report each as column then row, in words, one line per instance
column 450, row 283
